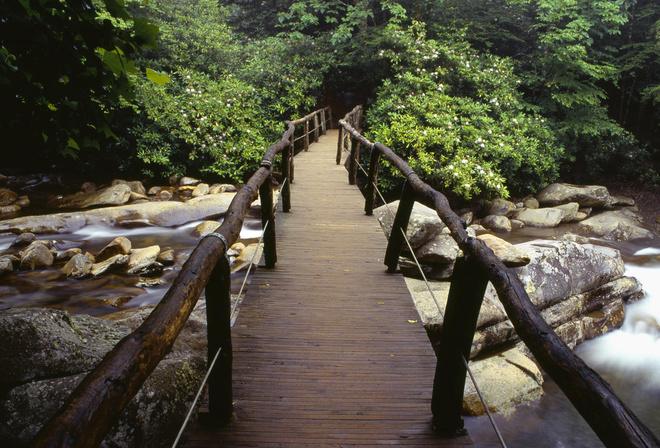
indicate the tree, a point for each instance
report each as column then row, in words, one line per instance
column 63, row 65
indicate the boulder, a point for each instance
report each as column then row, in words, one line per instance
column 9, row 209
column 530, row 202
column 119, row 246
column 247, row 257
column 570, row 211
column 200, row 190
column 6, row 266
column 565, row 280
column 616, row 225
column 135, row 185
column 115, row 195
column 24, row 239
column 424, row 222
column 500, row 207
column 622, row 200
column 37, row 255
column 585, row 195
column 166, row 257
column 510, row 255
column 188, row 181
column 541, row 217
column 46, row 343
column 112, row 264
column 78, row 266
column 69, row 347
column 7, row 197
column 144, row 261
column 439, row 249
column 222, row 188
column 68, row 254
column 561, row 269
column 205, row 228
column 166, row 214
column 496, row 223
column 505, row 380
column 23, row 201
column 88, row 187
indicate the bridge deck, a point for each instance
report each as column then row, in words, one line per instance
column 328, row 349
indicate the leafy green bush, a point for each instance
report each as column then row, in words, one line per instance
column 458, row 119
column 200, row 125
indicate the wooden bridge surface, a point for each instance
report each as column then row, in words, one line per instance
column 328, row 348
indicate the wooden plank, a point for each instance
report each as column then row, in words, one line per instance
column 328, row 347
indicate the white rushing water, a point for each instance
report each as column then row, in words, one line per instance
column 634, row 349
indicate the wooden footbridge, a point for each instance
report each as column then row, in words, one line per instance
column 328, row 347
column 327, row 350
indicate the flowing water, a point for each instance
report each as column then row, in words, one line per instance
column 94, row 296
column 628, row 358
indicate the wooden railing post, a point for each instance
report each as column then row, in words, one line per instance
column 292, row 158
column 340, row 144
column 316, row 128
column 286, row 178
column 399, row 227
column 306, row 139
column 374, row 161
column 218, row 316
column 466, row 293
column 353, row 162
column 323, row 123
column 268, row 217
column 330, row 118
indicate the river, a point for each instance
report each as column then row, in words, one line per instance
column 628, row 358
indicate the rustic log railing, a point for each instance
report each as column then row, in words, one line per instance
column 95, row 405
column 611, row 419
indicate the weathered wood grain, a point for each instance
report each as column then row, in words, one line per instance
column 328, row 347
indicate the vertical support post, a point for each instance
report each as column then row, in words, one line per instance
column 466, row 294
column 323, row 123
column 286, row 175
column 306, row 139
column 316, row 128
column 401, row 219
column 293, row 156
column 374, row 161
column 353, row 162
column 330, row 118
column 218, row 315
column 340, row 144
column 268, row 216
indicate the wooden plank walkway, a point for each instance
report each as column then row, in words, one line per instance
column 328, row 349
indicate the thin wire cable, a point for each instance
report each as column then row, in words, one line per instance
column 483, row 402
column 254, row 255
column 232, row 318
column 199, row 393
column 437, row 304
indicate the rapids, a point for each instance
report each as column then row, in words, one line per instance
column 92, row 296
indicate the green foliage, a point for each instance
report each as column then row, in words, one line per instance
column 200, row 125
column 287, row 73
column 227, row 99
column 64, row 64
column 456, row 116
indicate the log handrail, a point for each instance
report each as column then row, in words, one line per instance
column 95, row 405
column 610, row 418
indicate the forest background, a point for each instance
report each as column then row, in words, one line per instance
column 484, row 98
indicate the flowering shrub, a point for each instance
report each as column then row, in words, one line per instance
column 458, row 119
column 200, row 125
